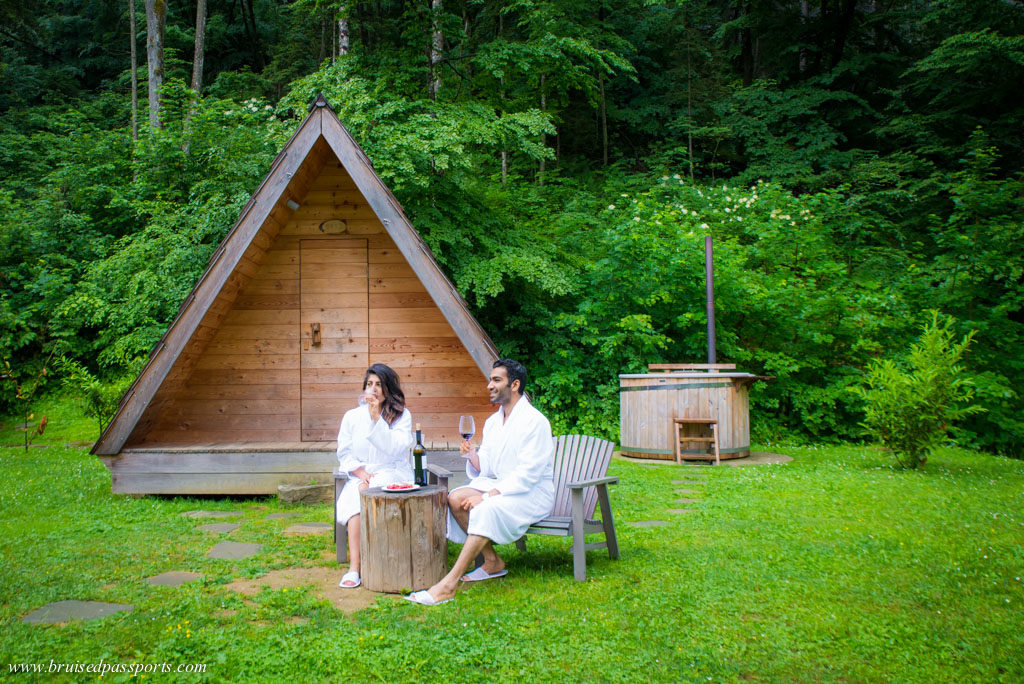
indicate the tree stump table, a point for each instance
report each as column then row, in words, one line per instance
column 402, row 542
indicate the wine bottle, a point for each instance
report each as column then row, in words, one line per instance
column 418, row 452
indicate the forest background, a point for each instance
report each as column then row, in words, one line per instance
column 858, row 162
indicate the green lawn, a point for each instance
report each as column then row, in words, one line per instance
column 831, row 567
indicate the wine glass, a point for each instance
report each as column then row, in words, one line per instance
column 467, row 427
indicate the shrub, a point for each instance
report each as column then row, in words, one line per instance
column 911, row 403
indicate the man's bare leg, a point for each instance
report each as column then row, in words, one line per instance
column 449, row 584
column 492, row 561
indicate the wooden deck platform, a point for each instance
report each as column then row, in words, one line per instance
column 229, row 468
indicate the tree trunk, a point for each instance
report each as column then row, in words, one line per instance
column 689, row 107
column 436, row 45
column 543, row 108
column 198, row 55
column 249, row 17
column 604, row 122
column 323, row 40
column 135, row 71
column 843, row 25
column 805, row 17
column 200, row 48
column 343, row 43
column 747, row 50
column 156, row 18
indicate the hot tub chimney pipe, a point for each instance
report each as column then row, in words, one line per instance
column 709, row 271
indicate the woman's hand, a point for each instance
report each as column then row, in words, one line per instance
column 373, row 403
column 361, row 474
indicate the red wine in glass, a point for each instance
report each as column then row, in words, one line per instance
column 467, row 427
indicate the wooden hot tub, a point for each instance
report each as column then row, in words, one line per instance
column 650, row 402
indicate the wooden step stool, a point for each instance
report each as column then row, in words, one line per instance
column 712, row 440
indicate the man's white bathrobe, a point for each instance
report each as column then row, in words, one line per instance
column 516, row 458
column 380, row 448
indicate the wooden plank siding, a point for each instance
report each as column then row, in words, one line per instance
column 321, row 241
column 258, row 371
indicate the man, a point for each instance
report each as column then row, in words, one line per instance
column 511, row 485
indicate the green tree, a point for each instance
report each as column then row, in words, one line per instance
column 911, row 403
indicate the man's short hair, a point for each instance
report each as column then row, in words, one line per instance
column 515, row 370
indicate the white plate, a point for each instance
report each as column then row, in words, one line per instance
column 411, row 488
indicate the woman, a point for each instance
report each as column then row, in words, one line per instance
column 373, row 448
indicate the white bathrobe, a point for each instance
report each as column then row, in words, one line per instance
column 380, row 448
column 516, row 458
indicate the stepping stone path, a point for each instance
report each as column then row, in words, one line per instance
column 648, row 523
column 693, row 480
column 65, row 611
column 174, row 579
column 281, row 516
column 234, row 550
column 219, row 527
column 309, row 528
column 212, row 514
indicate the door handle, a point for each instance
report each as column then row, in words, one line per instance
column 315, row 328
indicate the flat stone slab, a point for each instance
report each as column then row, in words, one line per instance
column 219, row 527
column 309, row 528
column 687, row 501
column 234, row 550
column 174, row 578
column 693, row 474
column 687, row 491
column 212, row 514
column 648, row 523
column 310, row 494
column 65, row 611
column 758, row 458
column 680, row 510
column 281, row 516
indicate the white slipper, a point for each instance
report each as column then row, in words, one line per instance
column 424, row 598
column 480, row 574
column 350, row 576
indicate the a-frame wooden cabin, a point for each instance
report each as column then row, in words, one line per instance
column 321, row 276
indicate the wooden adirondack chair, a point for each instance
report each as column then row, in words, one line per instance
column 580, row 468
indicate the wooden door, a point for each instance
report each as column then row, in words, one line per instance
column 333, row 316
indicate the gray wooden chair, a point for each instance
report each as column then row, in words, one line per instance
column 435, row 475
column 581, row 481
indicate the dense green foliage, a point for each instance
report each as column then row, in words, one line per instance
column 835, row 566
column 550, row 174
column 911, row 405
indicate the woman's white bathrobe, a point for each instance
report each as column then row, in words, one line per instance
column 516, row 458
column 380, row 448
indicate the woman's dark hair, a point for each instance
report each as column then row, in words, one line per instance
column 394, row 398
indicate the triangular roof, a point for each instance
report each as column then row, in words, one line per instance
column 274, row 195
